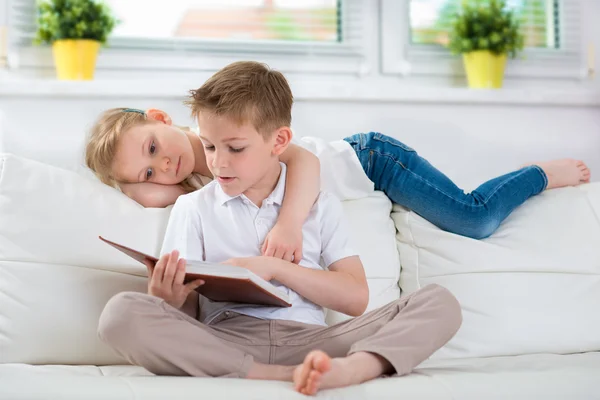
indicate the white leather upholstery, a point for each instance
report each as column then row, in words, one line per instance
column 373, row 235
column 533, row 287
column 539, row 376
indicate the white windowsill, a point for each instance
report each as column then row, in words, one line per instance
column 353, row 90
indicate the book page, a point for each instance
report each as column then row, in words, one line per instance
column 217, row 269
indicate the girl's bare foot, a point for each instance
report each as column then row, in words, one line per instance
column 565, row 172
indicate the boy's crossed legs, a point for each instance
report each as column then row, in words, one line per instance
column 391, row 339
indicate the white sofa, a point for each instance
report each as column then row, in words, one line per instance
column 530, row 293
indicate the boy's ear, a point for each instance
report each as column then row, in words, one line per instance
column 282, row 139
column 158, row 115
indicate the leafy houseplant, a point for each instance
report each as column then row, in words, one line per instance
column 76, row 29
column 485, row 33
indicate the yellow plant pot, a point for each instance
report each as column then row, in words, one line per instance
column 485, row 70
column 75, row 59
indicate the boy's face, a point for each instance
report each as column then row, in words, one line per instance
column 237, row 155
column 154, row 152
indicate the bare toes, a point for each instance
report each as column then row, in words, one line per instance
column 300, row 377
column 313, row 382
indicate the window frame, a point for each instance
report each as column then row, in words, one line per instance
column 400, row 57
column 174, row 55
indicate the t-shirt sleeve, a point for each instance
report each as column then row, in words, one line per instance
column 341, row 171
column 184, row 230
column 335, row 238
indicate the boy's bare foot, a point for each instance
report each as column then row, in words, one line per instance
column 319, row 371
column 565, row 172
column 308, row 376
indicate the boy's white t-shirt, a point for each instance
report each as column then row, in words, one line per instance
column 209, row 225
column 341, row 172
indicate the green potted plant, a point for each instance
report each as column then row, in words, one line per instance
column 485, row 33
column 75, row 29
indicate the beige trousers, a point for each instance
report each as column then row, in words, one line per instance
column 148, row 332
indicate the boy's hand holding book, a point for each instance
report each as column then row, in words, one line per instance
column 166, row 277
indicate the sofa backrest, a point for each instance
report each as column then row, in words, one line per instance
column 532, row 287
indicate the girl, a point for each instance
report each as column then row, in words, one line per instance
column 154, row 162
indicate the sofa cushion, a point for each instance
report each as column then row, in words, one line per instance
column 54, row 271
column 52, row 215
column 49, row 312
column 56, row 275
column 372, row 233
column 532, row 287
column 538, row 376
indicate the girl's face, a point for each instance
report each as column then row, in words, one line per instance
column 154, row 152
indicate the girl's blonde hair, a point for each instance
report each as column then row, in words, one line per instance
column 101, row 148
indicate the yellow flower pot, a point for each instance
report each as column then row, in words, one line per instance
column 485, row 70
column 75, row 59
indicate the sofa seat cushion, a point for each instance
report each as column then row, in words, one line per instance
column 538, row 376
column 532, row 287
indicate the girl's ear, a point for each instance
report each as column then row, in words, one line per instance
column 282, row 139
column 158, row 115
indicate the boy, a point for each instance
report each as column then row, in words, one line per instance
column 244, row 115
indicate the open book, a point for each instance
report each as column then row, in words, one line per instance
column 222, row 282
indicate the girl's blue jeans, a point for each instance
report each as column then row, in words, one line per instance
column 411, row 181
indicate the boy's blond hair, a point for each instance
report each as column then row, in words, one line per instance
column 246, row 91
column 101, row 148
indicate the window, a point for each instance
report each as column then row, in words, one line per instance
column 552, row 30
column 207, row 34
column 430, row 21
column 264, row 20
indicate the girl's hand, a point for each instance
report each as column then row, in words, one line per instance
column 264, row 267
column 165, row 279
column 284, row 242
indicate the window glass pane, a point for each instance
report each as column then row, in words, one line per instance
column 293, row 20
column 430, row 21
